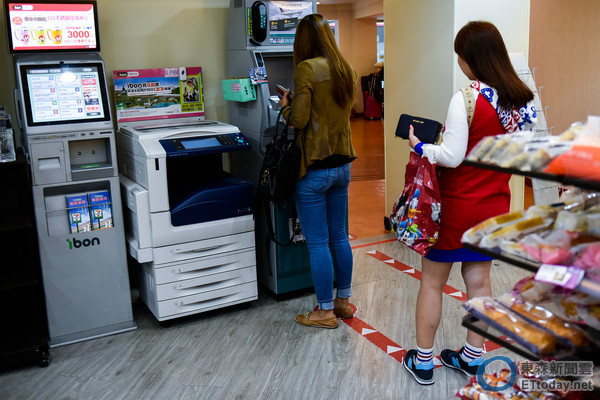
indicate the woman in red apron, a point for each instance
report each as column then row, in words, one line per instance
column 503, row 104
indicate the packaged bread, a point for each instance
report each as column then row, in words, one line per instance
column 571, row 221
column 537, row 340
column 577, row 307
column 515, row 161
column 482, row 148
column 511, row 150
column 539, row 159
column 496, row 149
column 572, row 132
column 593, row 223
column 590, row 314
column 567, row 333
column 514, row 230
column 533, row 291
column 545, row 210
column 516, row 249
column 474, row 234
column 550, row 247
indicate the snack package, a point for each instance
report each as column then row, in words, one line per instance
column 543, row 156
column 577, row 307
column 482, row 148
column 516, row 250
column 571, row 221
column 515, row 230
column 566, row 333
column 474, row 391
column 531, row 290
column 476, row 233
column 593, row 222
column 590, row 314
column 550, row 247
column 588, row 258
column 496, row 149
column 535, row 339
column 583, row 159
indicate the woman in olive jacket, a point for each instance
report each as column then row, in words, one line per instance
column 324, row 85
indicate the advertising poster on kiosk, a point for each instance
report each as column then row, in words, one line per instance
column 158, row 93
column 284, row 17
column 53, row 26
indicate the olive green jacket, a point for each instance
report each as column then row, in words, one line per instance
column 324, row 127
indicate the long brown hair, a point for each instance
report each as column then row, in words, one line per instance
column 480, row 45
column 314, row 38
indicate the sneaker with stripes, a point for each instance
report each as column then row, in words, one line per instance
column 453, row 359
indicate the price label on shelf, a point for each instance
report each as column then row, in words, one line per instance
column 560, row 275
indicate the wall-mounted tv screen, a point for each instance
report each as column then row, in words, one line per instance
column 283, row 18
column 50, row 26
column 62, row 94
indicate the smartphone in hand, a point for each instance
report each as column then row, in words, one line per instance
column 280, row 90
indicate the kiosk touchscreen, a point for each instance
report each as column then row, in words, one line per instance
column 63, row 94
column 65, row 117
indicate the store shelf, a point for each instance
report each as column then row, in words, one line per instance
column 587, row 285
column 565, row 180
column 469, row 321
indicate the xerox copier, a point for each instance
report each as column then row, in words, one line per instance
column 189, row 223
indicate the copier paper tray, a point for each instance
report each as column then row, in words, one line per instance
column 222, row 198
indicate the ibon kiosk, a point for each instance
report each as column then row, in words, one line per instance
column 190, row 223
column 260, row 41
column 65, row 117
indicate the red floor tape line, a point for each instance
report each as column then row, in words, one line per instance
column 449, row 290
column 377, row 338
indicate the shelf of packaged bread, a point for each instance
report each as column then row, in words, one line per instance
column 565, row 180
column 587, row 285
column 471, row 322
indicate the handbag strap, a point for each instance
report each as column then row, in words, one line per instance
column 284, row 129
column 469, row 103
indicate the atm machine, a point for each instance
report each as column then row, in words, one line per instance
column 189, row 220
column 67, row 131
column 260, row 38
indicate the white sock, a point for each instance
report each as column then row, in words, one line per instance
column 470, row 353
column 424, row 355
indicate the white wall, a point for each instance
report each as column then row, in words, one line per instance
column 511, row 18
column 421, row 71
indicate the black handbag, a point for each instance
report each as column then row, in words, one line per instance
column 427, row 130
column 279, row 170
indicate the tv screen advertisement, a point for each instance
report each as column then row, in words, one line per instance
column 43, row 26
column 61, row 94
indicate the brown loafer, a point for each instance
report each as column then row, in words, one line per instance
column 344, row 312
column 329, row 323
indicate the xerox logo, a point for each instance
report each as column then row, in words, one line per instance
column 83, row 243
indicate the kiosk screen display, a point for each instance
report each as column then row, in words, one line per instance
column 45, row 26
column 64, row 93
column 284, row 16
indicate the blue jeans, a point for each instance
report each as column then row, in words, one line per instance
column 321, row 199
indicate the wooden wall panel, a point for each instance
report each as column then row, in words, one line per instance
column 565, row 52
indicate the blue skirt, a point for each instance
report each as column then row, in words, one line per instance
column 456, row 255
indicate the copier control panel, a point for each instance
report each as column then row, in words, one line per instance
column 221, row 143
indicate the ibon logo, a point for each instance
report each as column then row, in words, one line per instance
column 83, row 243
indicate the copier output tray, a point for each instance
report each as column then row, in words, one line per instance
column 224, row 197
